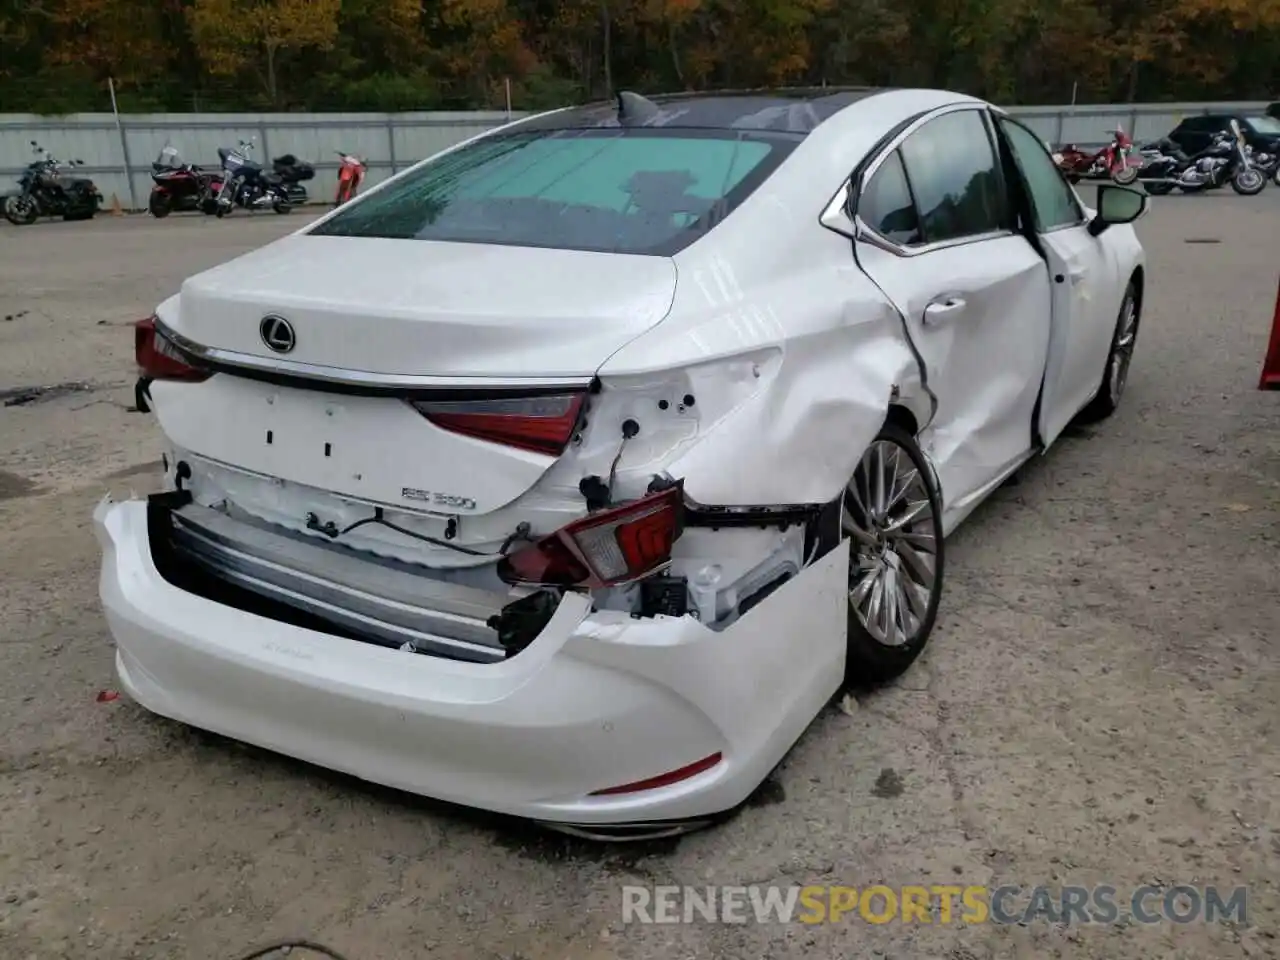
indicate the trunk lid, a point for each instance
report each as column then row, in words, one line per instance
column 394, row 308
column 426, row 308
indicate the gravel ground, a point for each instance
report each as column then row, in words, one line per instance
column 1098, row 704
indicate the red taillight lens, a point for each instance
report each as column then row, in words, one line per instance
column 605, row 548
column 158, row 358
column 540, row 424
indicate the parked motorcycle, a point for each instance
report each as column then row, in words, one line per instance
column 351, row 171
column 1225, row 160
column 245, row 184
column 292, row 172
column 1267, row 163
column 43, row 190
column 178, row 185
column 1115, row 160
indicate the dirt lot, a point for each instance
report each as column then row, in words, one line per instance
column 1098, row 705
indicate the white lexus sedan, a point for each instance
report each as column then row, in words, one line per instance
column 570, row 473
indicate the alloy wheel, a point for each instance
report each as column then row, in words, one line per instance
column 890, row 521
column 20, row 209
column 1250, row 181
column 1122, row 352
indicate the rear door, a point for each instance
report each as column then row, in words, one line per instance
column 1082, row 282
column 936, row 236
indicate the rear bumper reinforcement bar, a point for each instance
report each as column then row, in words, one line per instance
column 362, row 595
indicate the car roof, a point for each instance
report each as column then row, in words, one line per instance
column 790, row 110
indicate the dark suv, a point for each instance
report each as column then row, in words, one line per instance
column 1194, row 134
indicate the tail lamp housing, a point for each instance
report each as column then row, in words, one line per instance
column 540, row 424
column 603, row 549
column 159, row 359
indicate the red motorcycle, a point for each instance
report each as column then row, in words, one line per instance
column 1114, row 161
column 351, row 171
column 179, row 185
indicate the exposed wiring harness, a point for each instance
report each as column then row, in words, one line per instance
column 287, row 947
column 331, row 530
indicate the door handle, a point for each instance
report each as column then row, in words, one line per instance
column 1077, row 276
column 941, row 308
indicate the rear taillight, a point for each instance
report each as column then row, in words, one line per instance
column 602, row 549
column 539, row 424
column 159, row 359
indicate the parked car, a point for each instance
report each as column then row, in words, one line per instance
column 570, row 476
column 1195, row 134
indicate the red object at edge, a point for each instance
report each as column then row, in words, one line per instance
column 106, row 696
column 1271, row 365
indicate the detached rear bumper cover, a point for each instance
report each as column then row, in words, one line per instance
column 597, row 700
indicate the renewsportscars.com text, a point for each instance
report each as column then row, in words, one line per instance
column 934, row 904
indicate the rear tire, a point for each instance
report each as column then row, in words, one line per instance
column 892, row 521
column 1158, row 189
column 159, row 205
column 1115, row 375
column 281, row 206
column 1126, row 176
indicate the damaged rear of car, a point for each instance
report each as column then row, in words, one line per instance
column 502, row 486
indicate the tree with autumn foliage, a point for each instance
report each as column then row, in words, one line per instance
column 458, row 54
column 234, row 36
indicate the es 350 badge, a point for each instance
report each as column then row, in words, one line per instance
column 444, row 500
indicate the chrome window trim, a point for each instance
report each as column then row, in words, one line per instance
column 231, row 361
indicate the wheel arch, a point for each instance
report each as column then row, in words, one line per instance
column 902, row 416
column 1139, row 280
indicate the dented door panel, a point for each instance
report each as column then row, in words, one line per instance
column 978, row 313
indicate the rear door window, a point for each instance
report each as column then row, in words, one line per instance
column 647, row 191
column 955, row 178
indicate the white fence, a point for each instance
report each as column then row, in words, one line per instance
column 119, row 157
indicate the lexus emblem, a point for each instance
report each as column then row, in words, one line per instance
column 277, row 333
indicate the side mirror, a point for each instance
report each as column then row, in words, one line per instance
column 1117, row 205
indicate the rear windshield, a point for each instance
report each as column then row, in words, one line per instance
column 644, row 191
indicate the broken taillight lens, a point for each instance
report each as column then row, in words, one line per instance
column 539, row 424
column 602, row 549
column 159, row 359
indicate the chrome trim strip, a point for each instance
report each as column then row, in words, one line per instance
column 870, row 236
column 835, row 216
column 233, row 361
column 388, row 605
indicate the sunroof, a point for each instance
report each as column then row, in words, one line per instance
column 797, row 110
